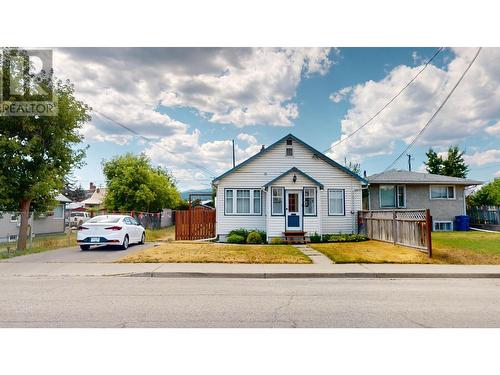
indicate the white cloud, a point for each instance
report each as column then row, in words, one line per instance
column 494, row 129
column 187, row 149
column 247, row 138
column 341, row 94
column 483, row 157
column 497, row 173
column 474, row 105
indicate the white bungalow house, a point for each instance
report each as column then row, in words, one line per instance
column 288, row 187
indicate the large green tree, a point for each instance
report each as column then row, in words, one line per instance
column 453, row 165
column 37, row 152
column 488, row 195
column 134, row 184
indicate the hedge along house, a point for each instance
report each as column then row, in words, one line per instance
column 443, row 195
column 288, row 187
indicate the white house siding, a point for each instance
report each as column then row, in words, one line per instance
column 272, row 164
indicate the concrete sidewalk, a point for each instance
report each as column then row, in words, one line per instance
column 262, row 271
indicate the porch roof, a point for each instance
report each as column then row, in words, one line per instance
column 298, row 171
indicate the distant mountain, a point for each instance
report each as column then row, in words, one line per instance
column 185, row 194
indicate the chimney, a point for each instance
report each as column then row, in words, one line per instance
column 364, row 173
column 92, row 187
column 262, row 148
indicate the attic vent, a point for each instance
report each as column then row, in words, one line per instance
column 289, row 142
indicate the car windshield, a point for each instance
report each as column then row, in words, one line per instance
column 105, row 219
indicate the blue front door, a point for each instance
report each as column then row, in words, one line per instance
column 293, row 210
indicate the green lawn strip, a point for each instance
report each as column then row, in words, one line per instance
column 470, row 240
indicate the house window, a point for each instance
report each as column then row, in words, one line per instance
column 310, row 201
column 289, row 151
column 14, row 217
column 335, row 202
column 243, row 201
column 442, row 192
column 59, row 212
column 277, row 204
column 289, row 142
column 229, row 202
column 443, row 226
column 12, row 237
column 256, row 201
column 392, row 196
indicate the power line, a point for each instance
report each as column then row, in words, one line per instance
column 388, row 103
column 203, row 169
column 437, row 110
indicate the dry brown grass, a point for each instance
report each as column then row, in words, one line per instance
column 163, row 234
column 197, row 252
column 370, row 252
column 448, row 248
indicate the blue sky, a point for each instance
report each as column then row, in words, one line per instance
column 192, row 102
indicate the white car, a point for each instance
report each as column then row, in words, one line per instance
column 78, row 218
column 119, row 230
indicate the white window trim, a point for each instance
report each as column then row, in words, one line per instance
column 442, row 199
column 441, row 222
column 282, row 201
column 315, row 196
column 343, row 203
column 62, row 213
column 251, row 213
column 396, row 198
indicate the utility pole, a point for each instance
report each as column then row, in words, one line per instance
column 409, row 161
column 234, row 161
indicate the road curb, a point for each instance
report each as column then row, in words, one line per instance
column 315, row 275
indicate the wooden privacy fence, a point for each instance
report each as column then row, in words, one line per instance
column 194, row 224
column 403, row 227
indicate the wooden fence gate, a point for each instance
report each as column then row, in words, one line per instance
column 403, row 227
column 195, row 224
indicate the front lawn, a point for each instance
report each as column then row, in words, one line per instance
column 40, row 243
column 370, row 252
column 201, row 252
column 448, row 248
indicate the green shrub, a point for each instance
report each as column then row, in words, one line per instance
column 315, row 238
column 235, row 238
column 345, row 237
column 262, row 233
column 277, row 241
column 240, row 232
column 254, row 237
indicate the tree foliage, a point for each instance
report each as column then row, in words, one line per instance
column 354, row 167
column 488, row 195
column 134, row 184
column 37, row 152
column 453, row 166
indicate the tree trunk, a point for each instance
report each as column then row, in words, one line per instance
column 23, row 229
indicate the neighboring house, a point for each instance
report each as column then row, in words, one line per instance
column 46, row 223
column 288, row 187
column 443, row 195
column 96, row 200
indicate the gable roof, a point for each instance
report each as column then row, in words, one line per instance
column 295, row 170
column 313, row 150
column 402, row 177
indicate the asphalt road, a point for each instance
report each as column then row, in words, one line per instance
column 98, row 254
column 156, row 302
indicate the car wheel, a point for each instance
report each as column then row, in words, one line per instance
column 143, row 238
column 125, row 243
column 84, row 247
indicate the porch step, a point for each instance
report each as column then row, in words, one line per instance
column 295, row 237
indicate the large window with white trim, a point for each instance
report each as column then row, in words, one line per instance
column 336, row 204
column 392, row 196
column 442, row 192
column 277, row 206
column 243, row 202
column 309, row 201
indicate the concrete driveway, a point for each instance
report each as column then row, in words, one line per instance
column 100, row 254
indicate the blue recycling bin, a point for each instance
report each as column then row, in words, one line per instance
column 462, row 222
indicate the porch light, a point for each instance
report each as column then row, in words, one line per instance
column 294, row 179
